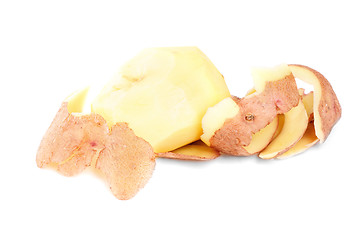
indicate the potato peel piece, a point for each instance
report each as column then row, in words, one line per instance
column 127, row 161
column 197, row 151
column 257, row 110
column 75, row 141
column 294, row 127
column 69, row 141
column 326, row 108
column 308, row 140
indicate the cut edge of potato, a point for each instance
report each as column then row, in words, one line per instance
column 216, row 116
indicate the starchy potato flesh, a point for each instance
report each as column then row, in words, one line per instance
column 326, row 107
column 197, row 151
column 294, row 127
column 256, row 111
column 75, row 141
column 262, row 75
column 216, row 116
column 76, row 101
column 163, row 94
column 262, row 138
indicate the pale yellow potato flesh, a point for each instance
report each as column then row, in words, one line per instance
column 262, row 75
column 163, row 94
column 294, row 127
column 326, row 108
column 216, row 116
column 76, row 101
column 197, row 151
column 251, row 91
column 262, row 138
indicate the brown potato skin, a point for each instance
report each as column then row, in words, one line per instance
column 278, row 97
column 127, row 161
column 74, row 142
column 69, row 141
column 329, row 108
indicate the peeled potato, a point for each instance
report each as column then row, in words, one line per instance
column 163, row 94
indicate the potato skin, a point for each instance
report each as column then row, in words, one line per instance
column 256, row 112
column 71, row 141
column 329, row 109
column 127, row 161
column 74, row 142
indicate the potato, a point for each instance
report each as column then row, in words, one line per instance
column 165, row 99
column 163, row 94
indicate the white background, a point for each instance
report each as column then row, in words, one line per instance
column 48, row 49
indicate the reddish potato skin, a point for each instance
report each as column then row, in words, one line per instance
column 74, row 142
column 256, row 112
column 329, row 108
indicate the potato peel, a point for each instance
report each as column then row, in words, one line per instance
column 74, row 141
column 293, row 129
column 326, row 107
column 197, row 151
column 308, row 140
column 273, row 120
column 127, row 161
column 257, row 110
